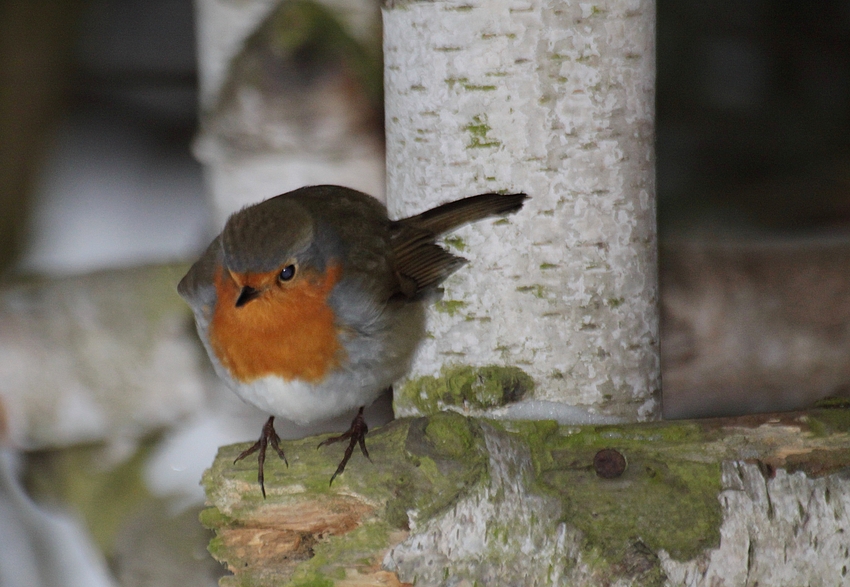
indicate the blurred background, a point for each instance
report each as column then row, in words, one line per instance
column 108, row 410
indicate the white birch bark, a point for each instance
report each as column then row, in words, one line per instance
column 262, row 135
column 221, row 28
column 554, row 99
column 788, row 530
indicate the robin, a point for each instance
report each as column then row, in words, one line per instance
column 311, row 304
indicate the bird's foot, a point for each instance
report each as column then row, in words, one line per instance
column 268, row 436
column 356, row 434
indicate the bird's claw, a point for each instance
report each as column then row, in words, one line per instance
column 267, row 436
column 356, row 434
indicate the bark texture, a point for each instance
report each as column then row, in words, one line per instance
column 779, row 528
column 554, row 99
column 450, row 500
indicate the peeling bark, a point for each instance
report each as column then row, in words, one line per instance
column 450, row 500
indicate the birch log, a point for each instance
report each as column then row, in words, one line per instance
column 93, row 358
column 754, row 326
column 449, row 500
column 554, row 99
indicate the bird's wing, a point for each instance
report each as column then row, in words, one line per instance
column 420, row 262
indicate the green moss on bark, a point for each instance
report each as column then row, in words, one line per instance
column 464, row 386
column 420, row 467
column 666, row 499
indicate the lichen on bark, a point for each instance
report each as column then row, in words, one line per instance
column 448, row 496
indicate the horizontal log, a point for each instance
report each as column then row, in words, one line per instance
column 450, row 500
column 754, row 326
column 103, row 356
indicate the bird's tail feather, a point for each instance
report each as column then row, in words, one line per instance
column 449, row 216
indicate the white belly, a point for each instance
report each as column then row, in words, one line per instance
column 304, row 403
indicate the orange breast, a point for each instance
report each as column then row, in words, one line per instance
column 287, row 331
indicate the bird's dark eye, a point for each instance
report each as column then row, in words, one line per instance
column 287, row 273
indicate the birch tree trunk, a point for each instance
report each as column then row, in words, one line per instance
column 554, row 99
column 272, row 121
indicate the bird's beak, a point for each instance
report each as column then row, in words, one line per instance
column 247, row 294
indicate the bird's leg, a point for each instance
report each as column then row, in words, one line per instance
column 268, row 435
column 356, row 434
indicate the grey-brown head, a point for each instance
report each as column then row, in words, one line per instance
column 259, row 238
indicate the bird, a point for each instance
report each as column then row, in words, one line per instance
column 311, row 304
